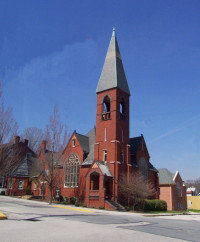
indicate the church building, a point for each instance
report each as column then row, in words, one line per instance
column 93, row 163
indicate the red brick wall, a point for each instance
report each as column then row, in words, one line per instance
column 166, row 195
column 114, row 143
column 169, row 194
column 77, row 150
column 15, row 191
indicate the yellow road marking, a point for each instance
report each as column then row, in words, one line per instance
column 2, row 216
column 76, row 209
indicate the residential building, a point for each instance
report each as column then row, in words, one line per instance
column 172, row 190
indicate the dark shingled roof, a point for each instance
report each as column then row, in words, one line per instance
column 25, row 167
column 12, row 155
column 152, row 168
column 84, row 141
column 134, row 146
column 91, row 138
column 57, row 157
column 113, row 74
column 165, row 176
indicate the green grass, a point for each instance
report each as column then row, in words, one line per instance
column 160, row 212
column 194, row 210
column 157, row 212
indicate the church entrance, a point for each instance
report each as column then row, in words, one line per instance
column 94, row 181
column 108, row 187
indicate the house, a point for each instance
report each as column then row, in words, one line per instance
column 192, row 191
column 92, row 164
column 16, row 161
column 172, row 190
column 48, row 167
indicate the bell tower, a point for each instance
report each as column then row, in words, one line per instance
column 112, row 114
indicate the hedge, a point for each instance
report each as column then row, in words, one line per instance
column 155, row 205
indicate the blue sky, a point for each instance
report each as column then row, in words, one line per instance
column 53, row 52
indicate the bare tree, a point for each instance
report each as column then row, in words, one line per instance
column 135, row 189
column 194, row 183
column 56, row 136
column 35, row 136
column 8, row 125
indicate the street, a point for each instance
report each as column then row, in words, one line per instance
column 38, row 221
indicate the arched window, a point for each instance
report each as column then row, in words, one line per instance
column 143, row 168
column 72, row 171
column 106, row 108
column 122, row 110
column 94, row 181
column 178, row 186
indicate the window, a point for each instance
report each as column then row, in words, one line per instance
column 10, row 185
column 105, row 155
column 178, row 185
column 72, row 171
column 34, row 186
column 20, row 184
column 122, row 110
column 180, row 205
column 105, row 134
column 73, row 142
column 106, row 108
column 122, row 157
column 143, row 168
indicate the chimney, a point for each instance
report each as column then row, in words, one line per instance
column 44, row 144
column 26, row 142
column 16, row 139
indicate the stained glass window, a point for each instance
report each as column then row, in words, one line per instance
column 72, row 171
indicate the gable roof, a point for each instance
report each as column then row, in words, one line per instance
column 57, row 157
column 165, row 176
column 83, row 141
column 104, row 168
column 135, row 144
column 12, row 155
column 25, row 167
column 152, row 168
column 91, row 138
column 113, row 74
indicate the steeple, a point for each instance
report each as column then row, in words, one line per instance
column 113, row 74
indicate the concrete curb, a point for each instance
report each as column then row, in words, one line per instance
column 2, row 216
column 169, row 214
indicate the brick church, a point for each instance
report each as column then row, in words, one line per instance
column 93, row 163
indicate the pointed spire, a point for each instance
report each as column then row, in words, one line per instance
column 113, row 33
column 113, row 74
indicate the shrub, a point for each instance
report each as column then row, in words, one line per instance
column 77, row 204
column 3, row 193
column 101, row 207
column 60, row 199
column 28, row 190
column 66, row 200
column 155, row 205
column 127, row 208
column 72, row 200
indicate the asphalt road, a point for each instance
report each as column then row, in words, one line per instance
column 37, row 221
